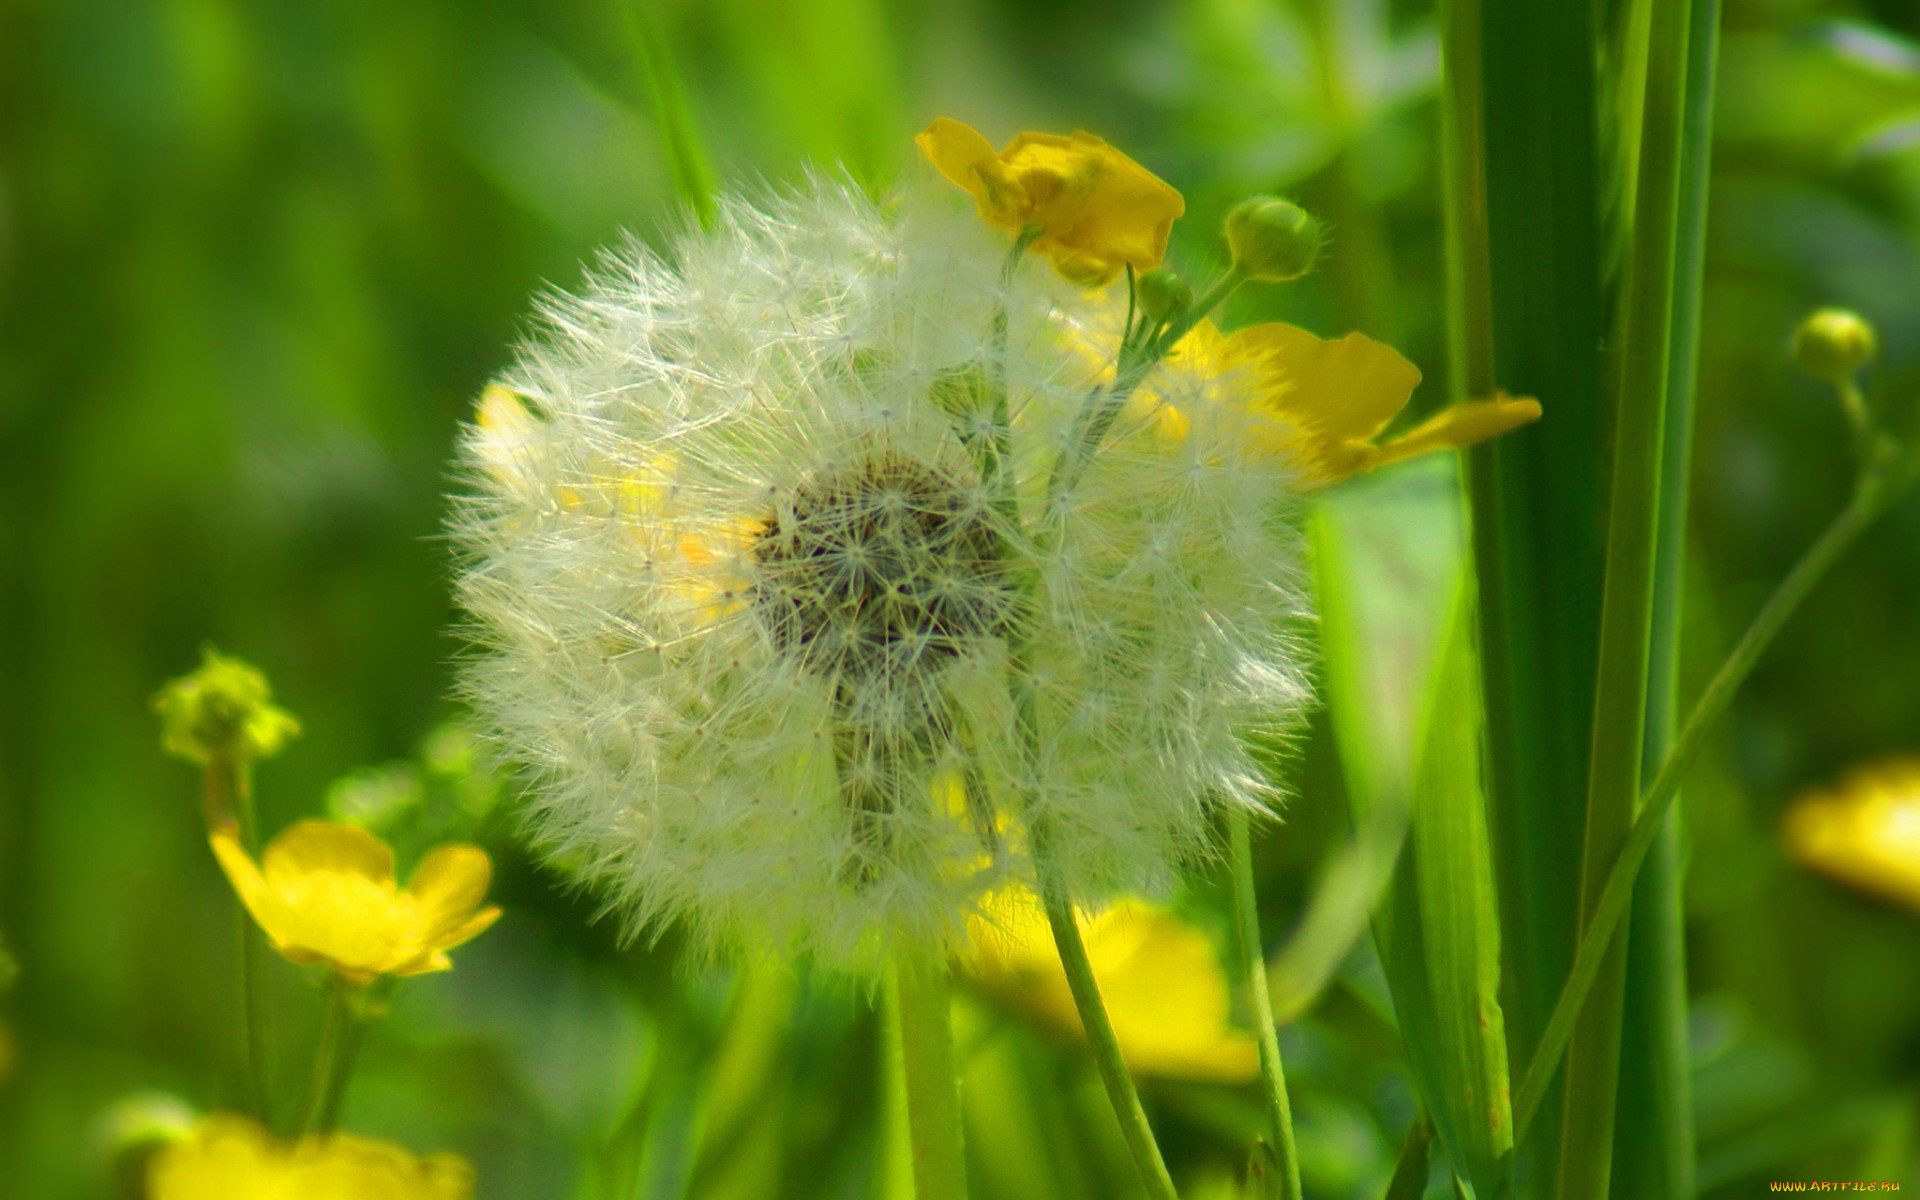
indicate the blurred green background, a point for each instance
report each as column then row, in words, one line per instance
column 257, row 260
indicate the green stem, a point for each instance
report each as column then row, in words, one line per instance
column 332, row 1060
column 1059, row 906
column 921, row 985
column 1253, row 961
column 1657, row 801
column 1136, row 359
column 686, row 150
column 229, row 796
column 1101, row 1041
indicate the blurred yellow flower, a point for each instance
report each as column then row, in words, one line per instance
column 223, row 709
column 1329, row 400
column 325, row 893
column 1159, row 977
column 1866, row 831
column 1096, row 209
column 232, row 1158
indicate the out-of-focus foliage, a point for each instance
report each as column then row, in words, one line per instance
column 256, row 262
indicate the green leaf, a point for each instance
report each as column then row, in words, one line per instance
column 1403, row 692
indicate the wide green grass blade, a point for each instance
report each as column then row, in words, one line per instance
column 1403, row 691
column 1524, row 202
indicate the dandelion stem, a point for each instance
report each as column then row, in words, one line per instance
column 1246, row 913
column 229, row 797
column 332, row 1061
column 1105, row 1046
column 921, row 986
column 1101, row 1040
column 1868, row 502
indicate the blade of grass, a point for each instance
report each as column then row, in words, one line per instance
column 1867, row 504
column 1523, row 199
column 1437, row 930
column 1654, row 1156
column 686, row 149
column 1620, row 687
column 921, row 987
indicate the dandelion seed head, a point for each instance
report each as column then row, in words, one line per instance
column 760, row 618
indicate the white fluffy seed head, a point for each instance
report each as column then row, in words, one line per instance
column 757, row 609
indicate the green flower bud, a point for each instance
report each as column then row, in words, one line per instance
column 1163, row 295
column 134, row 1129
column 1272, row 239
column 1833, row 344
column 223, row 710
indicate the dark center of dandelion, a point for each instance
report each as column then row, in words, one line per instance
column 882, row 571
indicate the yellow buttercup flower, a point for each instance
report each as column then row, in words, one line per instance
column 1159, row 976
column 1329, row 400
column 325, row 893
column 1096, row 209
column 232, row 1158
column 1865, row 832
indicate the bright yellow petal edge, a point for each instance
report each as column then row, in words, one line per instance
column 1865, row 832
column 1096, row 209
column 1328, row 399
column 325, row 892
column 229, row 1157
column 1160, row 977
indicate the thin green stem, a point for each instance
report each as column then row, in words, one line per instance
column 686, row 149
column 921, row 986
column 1136, row 359
column 229, row 797
column 1053, row 892
column 1101, row 1040
column 1657, row 800
column 1253, row 961
column 332, row 1059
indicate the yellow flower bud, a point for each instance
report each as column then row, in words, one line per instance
column 1833, row 344
column 1272, row 239
column 1163, row 295
column 223, row 710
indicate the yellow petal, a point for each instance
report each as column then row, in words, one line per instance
column 1092, row 201
column 1162, row 983
column 968, row 161
column 1097, row 210
column 225, row 1156
column 242, row 873
column 1167, row 997
column 311, row 847
column 446, row 887
column 1462, row 425
column 1865, row 832
column 1333, row 391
